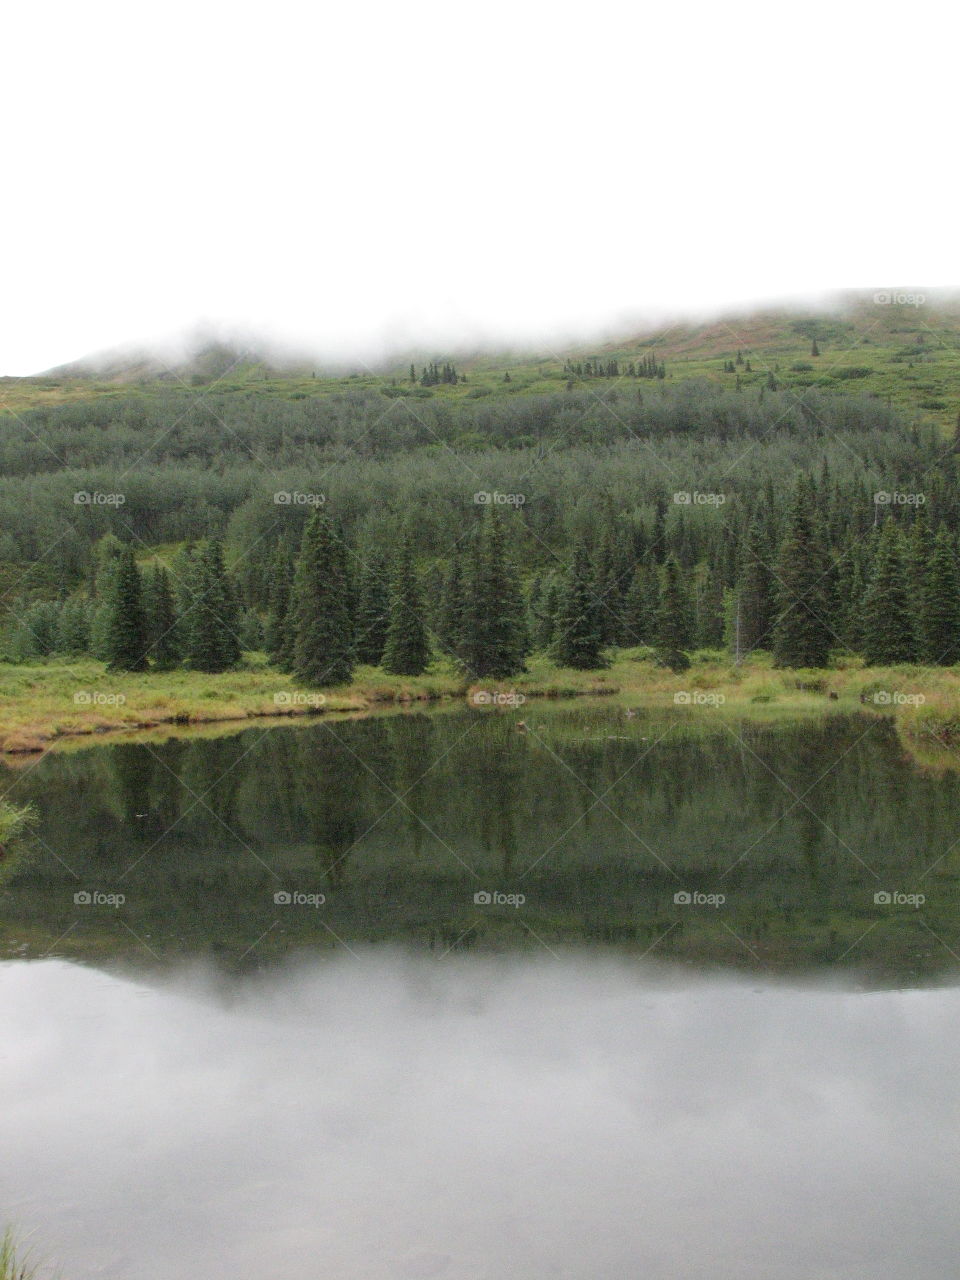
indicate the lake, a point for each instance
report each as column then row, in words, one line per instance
column 430, row 995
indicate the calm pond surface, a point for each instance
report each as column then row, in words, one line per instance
column 425, row 995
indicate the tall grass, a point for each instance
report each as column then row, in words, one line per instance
column 14, row 821
column 13, row 1265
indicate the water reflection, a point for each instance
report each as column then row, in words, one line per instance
column 597, row 821
column 386, row 1116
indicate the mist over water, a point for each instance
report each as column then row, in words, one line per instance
column 382, row 1116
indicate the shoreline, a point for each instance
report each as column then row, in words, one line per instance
column 80, row 703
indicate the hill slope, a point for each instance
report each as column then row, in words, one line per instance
column 907, row 353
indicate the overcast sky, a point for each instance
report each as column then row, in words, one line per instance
column 364, row 176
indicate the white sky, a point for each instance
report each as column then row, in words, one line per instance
column 366, row 177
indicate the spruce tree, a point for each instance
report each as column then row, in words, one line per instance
column 640, row 607
column 126, row 638
column 163, row 647
column 320, row 609
column 373, row 610
column 452, row 610
column 889, row 618
column 577, row 635
column 406, row 649
column 755, row 601
column 277, row 634
column 73, row 627
column 940, row 617
column 506, row 639
column 673, row 623
column 214, row 617
column 544, row 603
column 494, row 626
column 918, row 552
column 607, row 578
column 802, row 634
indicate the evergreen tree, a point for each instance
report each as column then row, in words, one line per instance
column 494, row 630
column 126, row 637
column 609, row 596
column 918, row 552
column 213, row 643
column 577, row 635
column 39, row 623
column 320, row 609
column 373, row 610
column 406, row 649
column 889, row 618
column 755, row 596
column 452, row 610
column 851, row 585
column 708, row 632
column 802, row 634
column 163, row 648
column 278, row 636
column 940, row 617
column 73, row 627
column 673, row 627
column 640, row 607
column 544, row 604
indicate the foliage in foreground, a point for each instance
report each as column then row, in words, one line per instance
column 13, row 1264
column 14, row 822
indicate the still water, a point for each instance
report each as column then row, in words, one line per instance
column 429, row 996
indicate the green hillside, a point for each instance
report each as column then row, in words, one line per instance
column 906, row 353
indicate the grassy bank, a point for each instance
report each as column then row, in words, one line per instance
column 44, row 703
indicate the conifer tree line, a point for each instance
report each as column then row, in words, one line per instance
column 437, row 375
column 806, row 583
column 646, row 367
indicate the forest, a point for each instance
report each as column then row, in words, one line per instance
column 381, row 528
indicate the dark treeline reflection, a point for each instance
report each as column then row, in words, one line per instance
column 399, row 821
